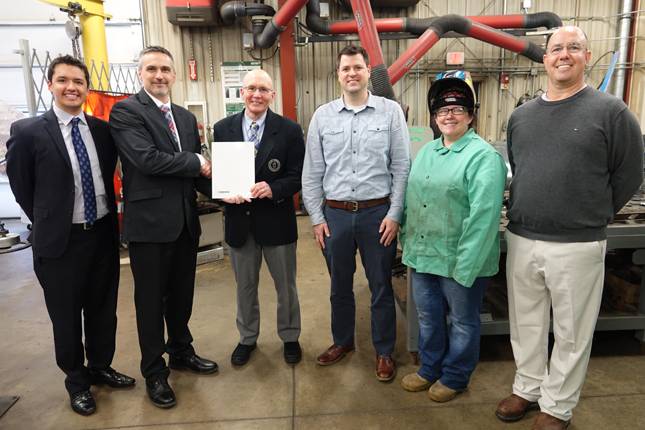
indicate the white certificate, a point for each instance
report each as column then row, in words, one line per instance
column 233, row 169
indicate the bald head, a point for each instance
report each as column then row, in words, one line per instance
column 571, row 30
column 257, row 93
column 255, row 75
column 565, row 60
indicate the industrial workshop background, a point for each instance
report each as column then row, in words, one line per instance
column 502, row 77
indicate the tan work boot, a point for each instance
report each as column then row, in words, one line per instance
column 413, row 382
column 440, row 393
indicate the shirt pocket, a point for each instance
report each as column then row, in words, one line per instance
column 332, row 140
column 378, row 138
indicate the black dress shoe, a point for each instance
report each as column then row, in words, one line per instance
column 161, row 393
column 242, row 354
column 111, row 377
column 292, row 352
column 192, row 362
column 83, row 403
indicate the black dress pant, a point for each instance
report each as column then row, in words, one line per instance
column 164, row 282
column 80, row 290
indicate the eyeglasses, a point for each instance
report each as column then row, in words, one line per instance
column 457, row 111
column 262, row 90
column 572, row 48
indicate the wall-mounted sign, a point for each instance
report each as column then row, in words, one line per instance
column 232, row 74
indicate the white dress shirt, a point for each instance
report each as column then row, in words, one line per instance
column 65, row 124
column 159, row 103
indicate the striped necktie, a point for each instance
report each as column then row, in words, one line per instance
column 253, row 134
column 87, row 182
column 171, row 124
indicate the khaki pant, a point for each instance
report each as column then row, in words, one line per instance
column 567, row 277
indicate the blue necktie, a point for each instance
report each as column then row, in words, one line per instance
column 89, row 198
column 253, row 135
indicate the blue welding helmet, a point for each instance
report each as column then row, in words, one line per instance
column 454, row 87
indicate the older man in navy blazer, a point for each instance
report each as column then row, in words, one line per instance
column 266, row 224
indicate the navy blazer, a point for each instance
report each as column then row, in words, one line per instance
column 41, row 177
column 159, row 182
column 279, row 163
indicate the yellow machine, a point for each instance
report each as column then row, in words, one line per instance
column 92, row 18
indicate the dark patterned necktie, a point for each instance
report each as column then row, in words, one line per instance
column 171, row 123
column 253, row 134
column 89, row 198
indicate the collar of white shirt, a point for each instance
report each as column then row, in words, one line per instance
column 259, row 121
column 158, row 102
column 65, row 117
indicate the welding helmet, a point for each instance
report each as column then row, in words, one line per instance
column 454, row 87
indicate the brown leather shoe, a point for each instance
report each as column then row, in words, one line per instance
column 544, row 421
column 333, row 354
column 385, row 368
column 513, row 408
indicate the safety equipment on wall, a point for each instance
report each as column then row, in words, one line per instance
column 453, row 87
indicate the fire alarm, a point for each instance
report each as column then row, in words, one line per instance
column 504, row 81
column 192, row 69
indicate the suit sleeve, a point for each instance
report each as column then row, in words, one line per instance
column 136, row 144
column 291, row 182
column 203, row 185
column 21, row 169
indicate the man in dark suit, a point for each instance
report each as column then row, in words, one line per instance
column 60, row 168
column 265, row 225
column 162, row 166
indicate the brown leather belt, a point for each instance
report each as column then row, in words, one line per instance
column 354, row 206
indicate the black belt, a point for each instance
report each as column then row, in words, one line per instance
column 354, row 206
column 87, row 226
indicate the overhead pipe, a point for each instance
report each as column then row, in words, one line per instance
column 230, row 11
column 629, row 75
column 467, row 27
column 369, row 39
column 417, row 26
column 278, row 23
column 623, row 47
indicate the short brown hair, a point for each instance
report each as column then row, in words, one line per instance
column 352, row 50
column 70, row 61
column 154, row 48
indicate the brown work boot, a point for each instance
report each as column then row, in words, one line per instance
column 513, row 408
column 333, row 354
column 544, row 421
column 414, row 382
column 440, row 393
column 385, row 368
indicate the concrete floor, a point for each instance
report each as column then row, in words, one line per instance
column 267, row 393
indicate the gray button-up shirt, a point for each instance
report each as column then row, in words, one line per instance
column 356, row 155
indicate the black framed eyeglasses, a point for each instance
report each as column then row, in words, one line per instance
column 457, row 111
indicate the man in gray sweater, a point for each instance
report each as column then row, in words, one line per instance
column 577, row 158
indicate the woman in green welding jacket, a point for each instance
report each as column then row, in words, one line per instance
column 450, row 238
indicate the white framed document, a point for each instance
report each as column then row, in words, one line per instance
column 233, row 169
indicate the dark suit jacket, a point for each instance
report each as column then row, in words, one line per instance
column 279, row 163
column 158, row 182
column 41, row 177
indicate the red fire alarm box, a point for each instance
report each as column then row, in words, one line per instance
column 504, row 81
column 192, row 13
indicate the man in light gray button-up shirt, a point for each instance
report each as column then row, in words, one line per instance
column 353, row 184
